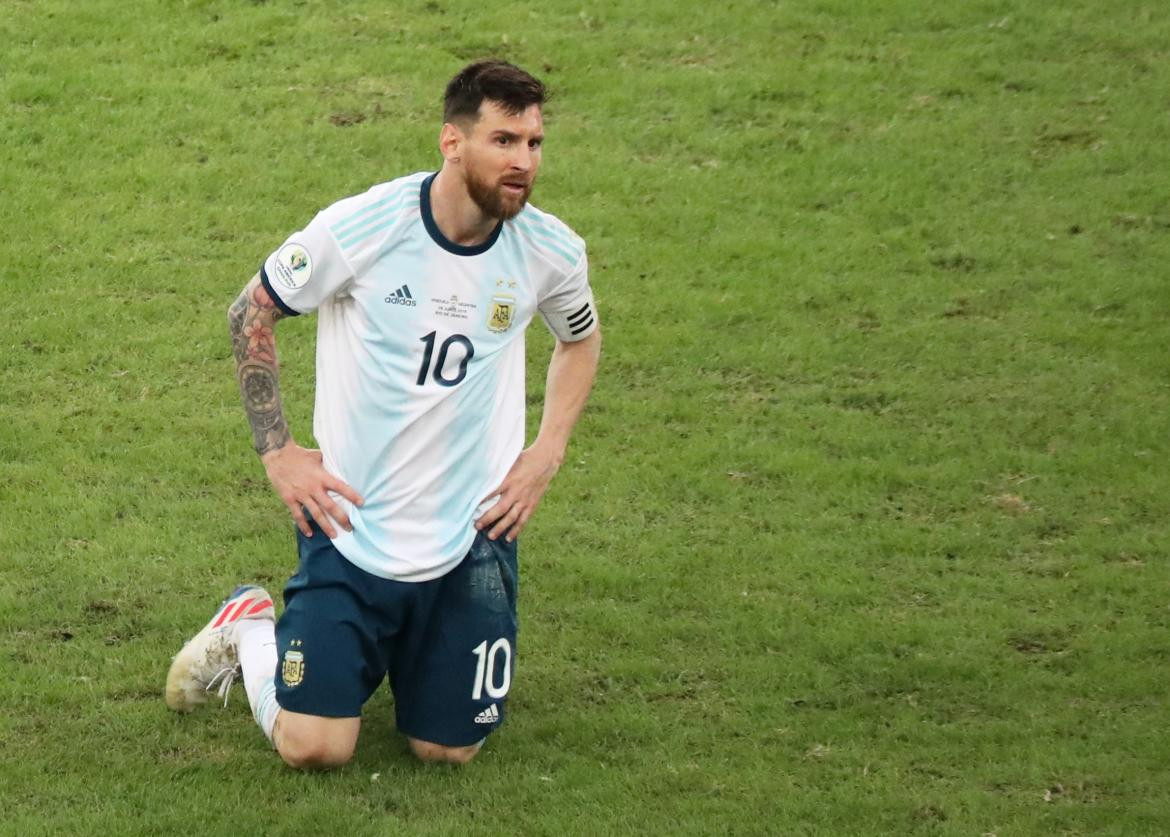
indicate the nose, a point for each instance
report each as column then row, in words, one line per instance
column 522, row 158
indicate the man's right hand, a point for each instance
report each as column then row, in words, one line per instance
column 304, row 485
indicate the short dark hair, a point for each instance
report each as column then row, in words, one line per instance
column 498, row 81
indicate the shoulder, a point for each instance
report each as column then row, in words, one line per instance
column 549, row 237
column 352, row 218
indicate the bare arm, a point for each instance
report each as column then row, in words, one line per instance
column 250, row 320
column 570, row 378
column 296, row 473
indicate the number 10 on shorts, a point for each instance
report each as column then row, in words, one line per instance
column 486, row 666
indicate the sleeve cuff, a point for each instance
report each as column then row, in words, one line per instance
column 275, row 296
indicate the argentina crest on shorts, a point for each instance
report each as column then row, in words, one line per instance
column 292, row 669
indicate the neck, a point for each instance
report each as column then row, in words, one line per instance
column 457, row 216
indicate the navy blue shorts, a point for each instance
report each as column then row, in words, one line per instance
column 448, row 645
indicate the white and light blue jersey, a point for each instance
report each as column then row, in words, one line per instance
column 420, row 361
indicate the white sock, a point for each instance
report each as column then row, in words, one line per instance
column 256, row 642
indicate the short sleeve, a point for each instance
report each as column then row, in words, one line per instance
column 568, row 308
column 307, row 269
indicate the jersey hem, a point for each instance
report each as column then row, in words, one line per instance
column 413, row 577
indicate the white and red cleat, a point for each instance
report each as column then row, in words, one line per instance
column 210, row 659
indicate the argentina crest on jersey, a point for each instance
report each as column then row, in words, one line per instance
column 500, row 315
column 503, row 308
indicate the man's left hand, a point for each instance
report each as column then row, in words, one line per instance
column 519, row 494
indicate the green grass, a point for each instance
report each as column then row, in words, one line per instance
column 864, row 530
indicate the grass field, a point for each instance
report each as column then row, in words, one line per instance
column 864, row 531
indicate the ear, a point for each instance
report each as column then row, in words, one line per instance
column 450, row 142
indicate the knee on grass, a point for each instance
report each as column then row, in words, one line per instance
column 310, row 752
column 311, row 742
column 438, row 754
column 314, row 755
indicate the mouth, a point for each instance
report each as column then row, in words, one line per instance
column 514, row 188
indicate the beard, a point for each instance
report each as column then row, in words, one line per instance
column 492, row 200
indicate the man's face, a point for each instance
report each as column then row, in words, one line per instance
column 501, row 154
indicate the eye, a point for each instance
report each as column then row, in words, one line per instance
column 501, row 141
column 534, row 144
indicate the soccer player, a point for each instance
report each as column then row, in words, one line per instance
column 408, row 515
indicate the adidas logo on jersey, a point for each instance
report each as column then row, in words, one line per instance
column 488, row 716
column 402, row 297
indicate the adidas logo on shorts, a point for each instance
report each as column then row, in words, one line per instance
column 488, row 716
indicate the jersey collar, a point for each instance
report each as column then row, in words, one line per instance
column 442, row 240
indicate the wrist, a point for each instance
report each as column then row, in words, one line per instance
column 267, row 457
column 550, row 449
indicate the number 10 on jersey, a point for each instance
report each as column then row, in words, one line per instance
column 439, row 371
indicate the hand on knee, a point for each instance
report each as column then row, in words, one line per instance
column 437, row 753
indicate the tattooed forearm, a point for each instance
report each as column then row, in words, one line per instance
column 250, row 320
column 261, row 391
